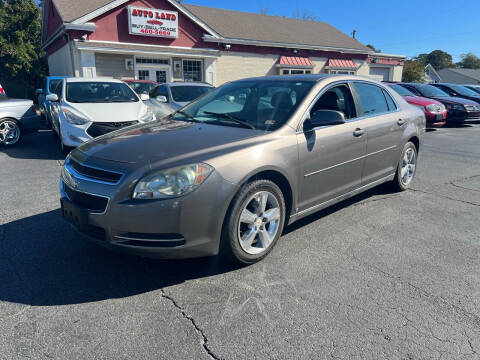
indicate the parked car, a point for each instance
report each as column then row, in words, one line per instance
column 459, row 91
column 51, row 83
column 85, row 108
column 2, row 92
column 17, row 117
column 459, row 109
column 475, row 88
column 176, row 95
column 435, row 111
column 202, row 182
column 141, row 86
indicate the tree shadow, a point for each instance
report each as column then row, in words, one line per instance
column 41, row 145
column 43, row 262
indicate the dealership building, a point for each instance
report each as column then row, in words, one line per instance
column 164, row 40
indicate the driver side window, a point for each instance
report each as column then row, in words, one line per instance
column 59, row 90
column 338, row 98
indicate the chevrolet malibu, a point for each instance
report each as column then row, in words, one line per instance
column 85, row 108
column 202, row 182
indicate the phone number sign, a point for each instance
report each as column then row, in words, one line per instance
column 152, row 22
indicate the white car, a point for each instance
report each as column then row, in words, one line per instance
column 85, row 108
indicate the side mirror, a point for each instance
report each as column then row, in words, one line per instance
column 162, row 99
column 324, row 118
column 144, row 97
column 39, row 91
column 52, row 97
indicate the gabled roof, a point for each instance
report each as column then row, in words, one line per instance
column 231, row 24
column 454, row 75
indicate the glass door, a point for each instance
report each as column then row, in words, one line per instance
column 158, row 74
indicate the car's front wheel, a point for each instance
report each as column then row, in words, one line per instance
column 10, row 132
column 407, row 167
column 255, row 222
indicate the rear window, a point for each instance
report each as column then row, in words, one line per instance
column 141, row 87
column 188, row 93
column 99, row 92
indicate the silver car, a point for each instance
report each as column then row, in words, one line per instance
column 169, row 97
column 17, row 117
column 85, row 108
column 204, row 181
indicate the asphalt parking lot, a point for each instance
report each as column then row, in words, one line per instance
column 381, row 276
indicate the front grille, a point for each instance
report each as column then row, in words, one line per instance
column 102, row 128
column 91, row 202
column 95, row 174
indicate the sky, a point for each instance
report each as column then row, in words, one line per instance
column 406, row 27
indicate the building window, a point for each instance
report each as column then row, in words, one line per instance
column 192, row 70
column 143, row 74
column 342, row 72
column 295, row 71
column 153, row 61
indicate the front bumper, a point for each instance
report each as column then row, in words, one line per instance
column 184, row 227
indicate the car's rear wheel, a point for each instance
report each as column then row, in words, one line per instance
column 10, row 132
column 407, row 167
column 255, row 222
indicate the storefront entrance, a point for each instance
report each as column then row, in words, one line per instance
column 159, row 74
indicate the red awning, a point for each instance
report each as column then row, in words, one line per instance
column 295, row 61
column 342, row 64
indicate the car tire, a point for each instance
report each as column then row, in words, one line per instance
column 64, row 148
column 7, row 128
column 254, row 222
column 406, row 168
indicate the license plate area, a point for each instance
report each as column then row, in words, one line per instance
column 439, row 117
column 75, row 214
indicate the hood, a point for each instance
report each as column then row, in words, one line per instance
column 455, row 100
column 108, row 112
column 167, row 140
column 421, row 101
column 7, row 102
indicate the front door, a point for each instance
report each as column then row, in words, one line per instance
column 158, row 74
column 332, row 157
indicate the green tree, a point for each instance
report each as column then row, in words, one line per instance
column 21, row 60
column 469, row 61
column 373, row 48
column 438, row 59
column 413, row 71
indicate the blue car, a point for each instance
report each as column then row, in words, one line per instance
column 43, row 104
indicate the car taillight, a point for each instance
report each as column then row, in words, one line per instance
column 2, row 91
column 34, row 109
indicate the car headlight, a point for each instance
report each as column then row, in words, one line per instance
column 148, row 116
column 456, row 107
column 73, row 117
column 173, row 182
column 433, row 108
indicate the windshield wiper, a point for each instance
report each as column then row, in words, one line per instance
column 232, row 118
column 188, row 116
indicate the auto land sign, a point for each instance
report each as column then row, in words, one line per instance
column 152, row 22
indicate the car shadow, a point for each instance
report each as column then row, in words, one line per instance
column 44, row 262
column 41, row 145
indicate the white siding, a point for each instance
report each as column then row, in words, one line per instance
column 60, row 62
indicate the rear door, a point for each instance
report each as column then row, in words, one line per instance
column 331, row 157
column 384, row 122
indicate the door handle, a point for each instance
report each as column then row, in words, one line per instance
column 358, row 132
column 400, row 122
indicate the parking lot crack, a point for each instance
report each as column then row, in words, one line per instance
column 445, row 197
column 198, row 329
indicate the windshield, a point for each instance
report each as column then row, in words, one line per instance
column 463, row 90
column 431, row 91
column 401, row 90
column 141, row 87
column 99, row 92
column 188, row 93
column 263, row 104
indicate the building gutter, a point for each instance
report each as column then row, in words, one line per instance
column 88, row 27
column 208, row 38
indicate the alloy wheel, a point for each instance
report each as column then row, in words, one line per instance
column 259, row 222
column 408, row 166
column 9, row 132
